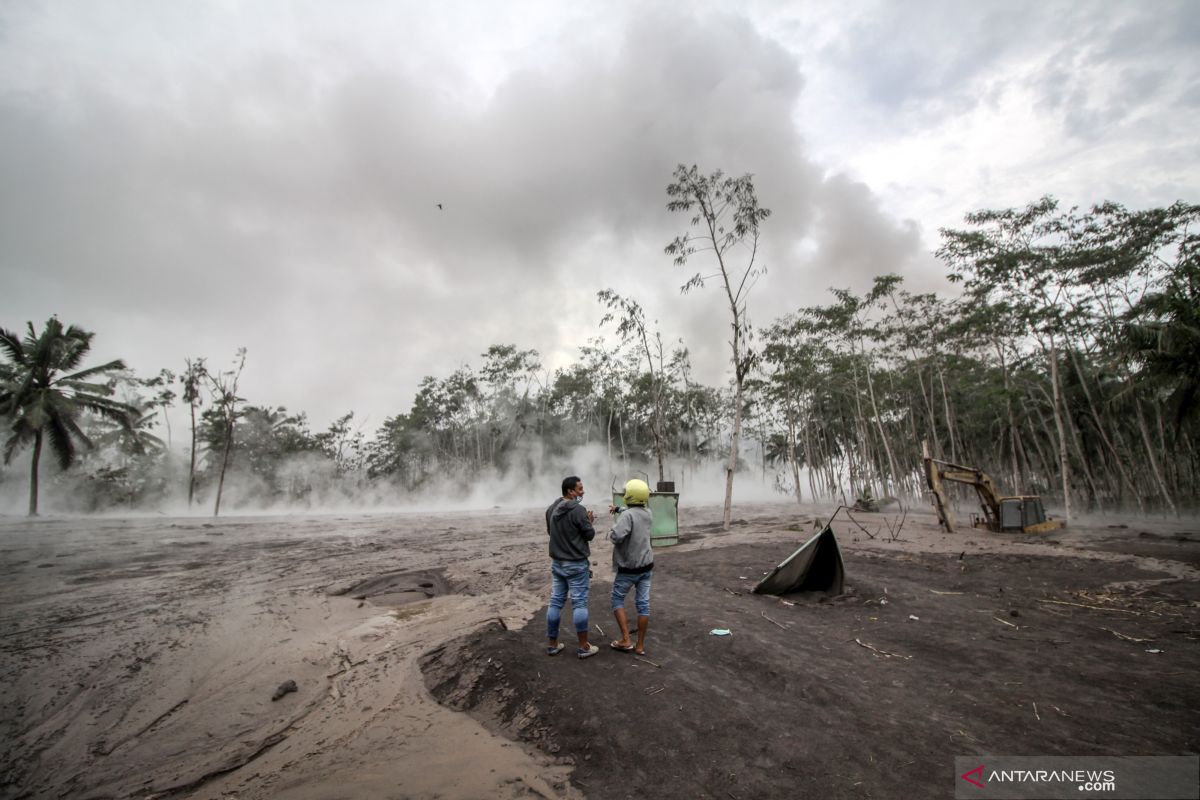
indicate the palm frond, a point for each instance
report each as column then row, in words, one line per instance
column 60, row 442
column 83, row 387
column 10, row 344
column 76, row 343
column 116, row 364
column 108, row 409
column 73, row 427
column 22, row 435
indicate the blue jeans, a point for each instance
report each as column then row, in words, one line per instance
column 567, row 576
column 622, row 583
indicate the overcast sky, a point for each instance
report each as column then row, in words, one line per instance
column 188, row 178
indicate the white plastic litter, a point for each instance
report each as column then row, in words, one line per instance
column 720, row 632
column 914, row 617
column 1154, row 650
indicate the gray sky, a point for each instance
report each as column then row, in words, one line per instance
column 188, row 178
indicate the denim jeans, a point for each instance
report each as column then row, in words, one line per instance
column 621, row 586
column 568, row 576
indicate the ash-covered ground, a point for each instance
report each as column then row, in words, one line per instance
column 141, row 658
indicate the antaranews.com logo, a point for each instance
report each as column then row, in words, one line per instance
column 1088, row 780
column 1055, row 777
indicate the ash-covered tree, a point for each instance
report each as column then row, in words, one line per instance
column 724, row 220
column 222, row 388
column 44, row 393
column 631, row 326
column 192, row 380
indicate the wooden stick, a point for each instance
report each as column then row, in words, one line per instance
column 883, row 653
column 1039, row 716
column 1123, row 636
column 860, row 527
column 1094, row 608
column 599, row 629
column 648, row 661
column 768, row 619
column 935, row 591
column 1006, row 622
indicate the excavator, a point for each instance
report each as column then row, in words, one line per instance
column 1023, row 513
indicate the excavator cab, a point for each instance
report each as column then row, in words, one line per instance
column 1019, row 513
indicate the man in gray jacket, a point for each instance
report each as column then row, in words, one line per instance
column 569, row 525
column 633, row 563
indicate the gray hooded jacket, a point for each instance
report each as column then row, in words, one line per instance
column 570, row 531
column 631, row 541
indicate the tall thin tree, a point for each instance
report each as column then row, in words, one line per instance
column 725, row 219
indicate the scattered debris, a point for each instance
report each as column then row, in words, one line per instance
column 1006, row 622
column 768, row 619
column 287, row 687
column 1094, row 608
column 1039, row 716
column 1153, row 650
column 720, row 632
column 647, row 661
column 914, row 617
column 877, row 651
column 935, row 591
column 1124, row 637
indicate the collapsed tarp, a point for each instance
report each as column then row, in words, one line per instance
column 815, row 567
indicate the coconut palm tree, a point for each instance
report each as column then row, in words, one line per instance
column 43, row 393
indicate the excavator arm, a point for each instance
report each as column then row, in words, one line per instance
column 938, row 472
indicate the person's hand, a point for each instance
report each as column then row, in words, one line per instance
column 591, row 515
column 612, row 509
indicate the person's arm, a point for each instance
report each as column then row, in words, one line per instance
column 622, row 529
column 583, row 519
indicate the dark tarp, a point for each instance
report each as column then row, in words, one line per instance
column 815, row 567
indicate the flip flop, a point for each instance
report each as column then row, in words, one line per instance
column 626, row 649
column 553, row 651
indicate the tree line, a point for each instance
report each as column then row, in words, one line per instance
column 1066, row 364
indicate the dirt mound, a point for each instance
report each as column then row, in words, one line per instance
column 396, row 588
column 930, row 656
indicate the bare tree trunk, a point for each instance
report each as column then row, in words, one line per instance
column 733, row 449
column 621, row 432
column 791, row 452
column 1162, row 485
column 608, row 431
column 949, row 419
column 1063, row 457
column 192, row 465
column 224, row 466
column 1017, row 483
column 33, row 474
column 887, row 449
